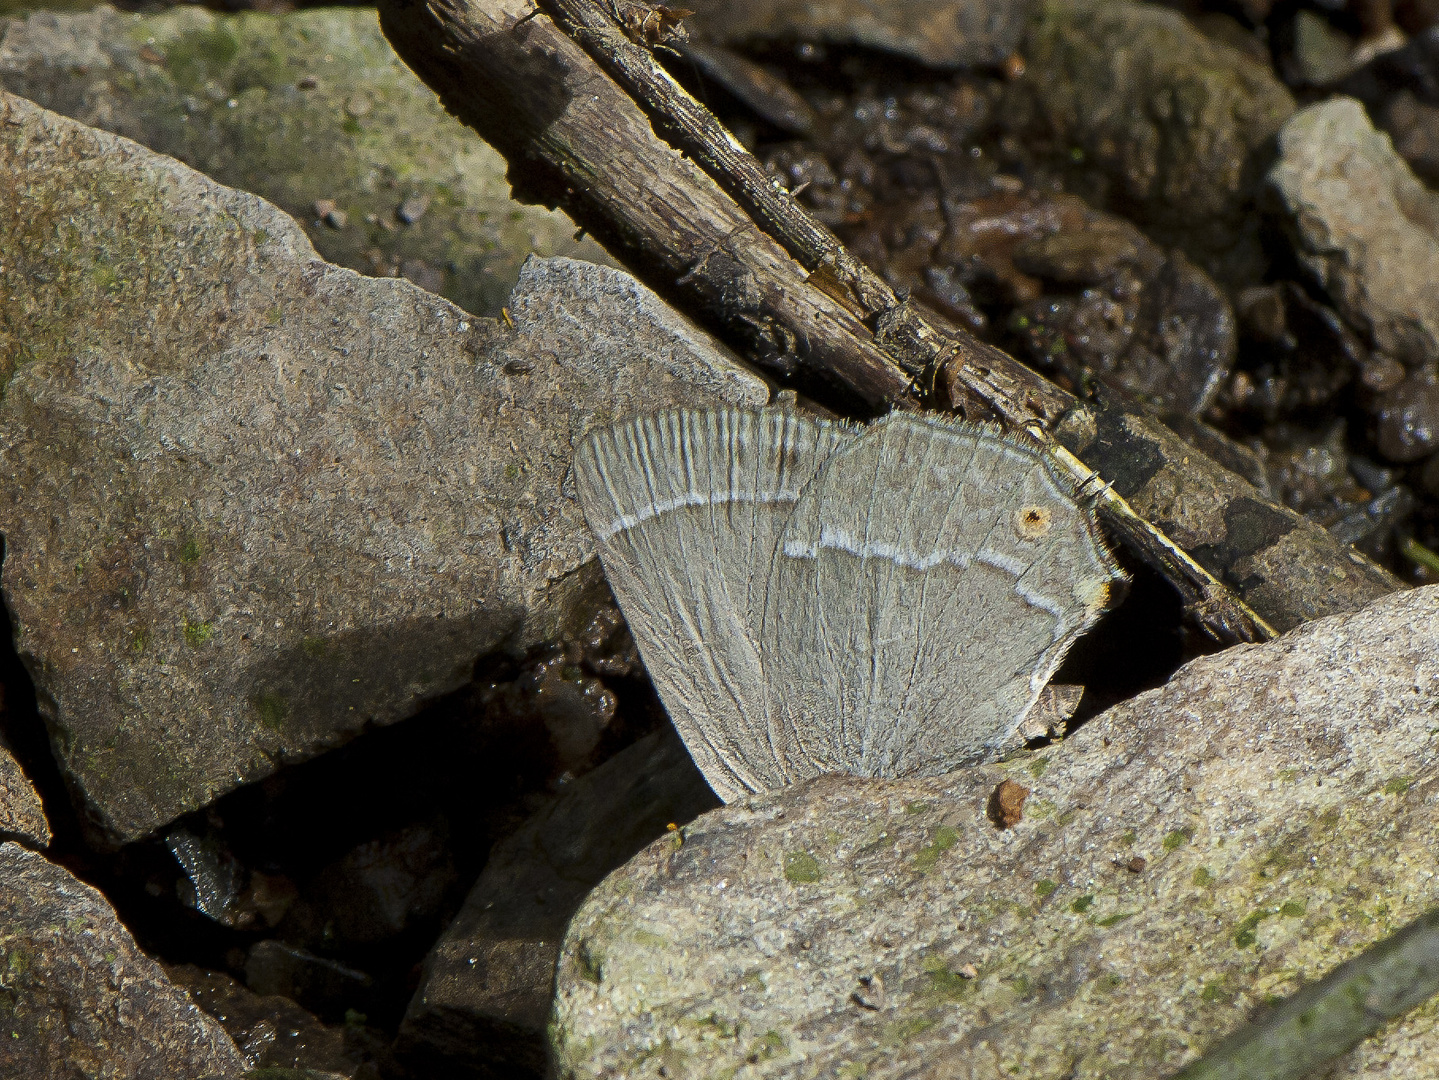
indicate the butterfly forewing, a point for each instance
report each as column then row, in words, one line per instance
column 686, row 507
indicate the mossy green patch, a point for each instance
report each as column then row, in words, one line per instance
column 191, row 551
column 1177, row 838
column 1081, row 904
column 1112, row 920
column 105, row 278
column 198, row 633
column 944, row 983
column 768, row 1046
column 1044, row 887
column 802, row 868
column 1245, row 933
column 313, row 647
column 901, row 1031
column 916, row 807
column 1037, row 767
column 1203, row 877
column 1216, row 992
column 140, row 639
column 1127, row 840
column 1398, row 785
column 649, row 939
column 199, row 56
column 588, row 964
column 944, row 839
column 273, row 710
column 1294, row 909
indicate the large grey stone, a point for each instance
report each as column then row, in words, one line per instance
column 299, row 107
column 1364, row 225
column 1186, row 855
column 78, row 998
column 253, row 502
column 489, row 982
column 22, row 817
column 1179, row 126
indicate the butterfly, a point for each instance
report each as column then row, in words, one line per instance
column 814, row 597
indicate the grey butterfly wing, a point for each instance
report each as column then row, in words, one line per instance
column 914, row 610
column 686, row 507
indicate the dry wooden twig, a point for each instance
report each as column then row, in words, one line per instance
column 1326, row 1020
column 750, row 259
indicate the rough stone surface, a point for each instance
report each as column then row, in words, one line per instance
column 22, row 817
column 253, row 502
column 949, row 34
column 78, row 998
column 1274, row 809
column 301, row 108
column 272, row 1032
column 1364, row 225
column 488, row 984
column 1179, row 126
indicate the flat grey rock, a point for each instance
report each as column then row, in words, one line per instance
column 1364, row 225
column 80, row 999
column 1271, row 809
column 22, row 817
column 1180, row 127
column 254, row 502
column 488, row 983
column 948, row 34
column 302, row 108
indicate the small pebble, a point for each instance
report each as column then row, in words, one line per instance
column 423, row 274
column 1006, row 804
column 308, row 82
column 1381, row 373
column 330, row 214
column 413, row 208
column 1407, row 418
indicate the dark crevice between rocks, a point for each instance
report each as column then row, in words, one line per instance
column 329, row 881
column 24, row 732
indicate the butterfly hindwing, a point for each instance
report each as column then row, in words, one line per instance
column 914, row 613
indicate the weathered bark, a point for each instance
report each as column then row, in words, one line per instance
column 750, row 259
